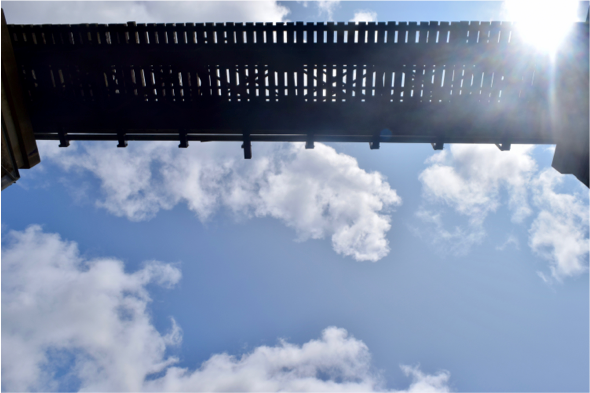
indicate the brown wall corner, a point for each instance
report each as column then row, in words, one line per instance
column 14, row 113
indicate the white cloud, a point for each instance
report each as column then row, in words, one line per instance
column 343, row 360
column 327, row 7
column 143, row 12
column 55, row 302
column 560, row 231
column 69, row 322
column 364, row 16
column 319, row 193
column 470, row 179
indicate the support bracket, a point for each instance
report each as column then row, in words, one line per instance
column 374, row 145
column 309, row 142
column 63, row 139
column 247, row 146
column 122, row 140
column 503, row 146
column 437, row 145
column 183, row 139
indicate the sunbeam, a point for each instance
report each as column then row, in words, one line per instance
column 543, row 24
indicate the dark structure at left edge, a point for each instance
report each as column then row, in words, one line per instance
column 433, row 82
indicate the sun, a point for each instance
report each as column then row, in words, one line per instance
column 543, row 24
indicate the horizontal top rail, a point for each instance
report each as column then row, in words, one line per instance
column 278, row 33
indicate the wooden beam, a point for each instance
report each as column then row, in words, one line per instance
column 15, row 116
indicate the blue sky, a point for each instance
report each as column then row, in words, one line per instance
column 338, row 268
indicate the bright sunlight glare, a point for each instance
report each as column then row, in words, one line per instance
column 543, row 24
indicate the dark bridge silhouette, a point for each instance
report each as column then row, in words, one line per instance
column 432, row 82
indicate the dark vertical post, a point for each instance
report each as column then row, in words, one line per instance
column 374, row 145
column 122, row 139
column 309, row 142
column 247, row 146
column 571, row 121
column 437, row 145
column 63, row 139
column 182, row 135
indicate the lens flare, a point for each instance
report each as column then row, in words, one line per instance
column 543, row 24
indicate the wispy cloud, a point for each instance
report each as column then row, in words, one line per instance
column 470, row 179
column 510, row 240
column 319, row 193
column 69, row 323
column 326, row 8
column 457, row 241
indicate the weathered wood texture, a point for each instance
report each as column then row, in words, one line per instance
column 472, row 82
column 16, row 124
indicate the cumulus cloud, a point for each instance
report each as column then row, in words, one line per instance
column 69, row 323
column 343, row 361
column 471, row 178
column 319, row 193
column 364, row 16
column 560, row 231
column 143, row 11
column 57, row 306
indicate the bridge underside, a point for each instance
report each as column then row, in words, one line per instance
column 433, row 82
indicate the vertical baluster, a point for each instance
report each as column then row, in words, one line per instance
column 402, row 32
column 117, row 34
column 200, row 30
column 280, row 32
column 240, row 81
column 147, row 34
column 191, row 35
column 289, row 29
column 381, row 29
column 28, row 34
column 38, row 33
column 351, row 30
column 473, row 31
column 412, row 29
column 505, row 32
column 142, row 35
column 459, row 33
column 16, row 37
column 229, row 34
column 443, row 31
column 161, row 35
column 212, row 38
column 422, row 29
column 363, row 33
column 402, row 80
column 183, row 34
column 390, row 28
column 225, row 82
column 103, row 33
column 258, row 33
